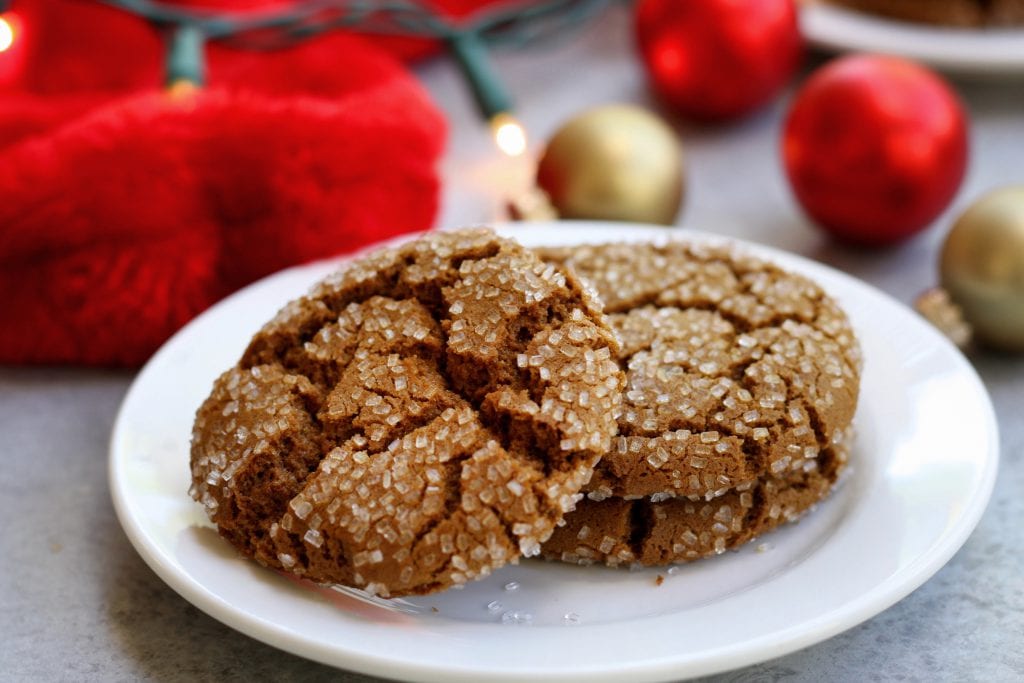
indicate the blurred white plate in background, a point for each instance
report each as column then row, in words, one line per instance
column 984, row 52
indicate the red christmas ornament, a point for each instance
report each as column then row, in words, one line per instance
column 875, row 148
column 718, row 59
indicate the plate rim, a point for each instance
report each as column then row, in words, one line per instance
column 767, row 646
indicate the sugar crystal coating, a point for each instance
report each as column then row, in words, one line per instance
column 382, row 431
column 733, row 366
column 741, row 384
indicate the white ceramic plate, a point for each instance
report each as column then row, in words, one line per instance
column 923, row 469
column 981, row 52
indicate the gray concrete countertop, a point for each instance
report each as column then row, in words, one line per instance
column 77, row 602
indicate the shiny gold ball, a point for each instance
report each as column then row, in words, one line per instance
column 982, row 267
column 615, row 162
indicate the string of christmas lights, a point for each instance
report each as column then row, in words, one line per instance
column 517, row 25
column 7, row 28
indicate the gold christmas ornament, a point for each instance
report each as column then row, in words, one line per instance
column 616, row 162
column 982, row 267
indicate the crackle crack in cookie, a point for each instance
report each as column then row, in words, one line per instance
column 423, row 416
column 737, row 374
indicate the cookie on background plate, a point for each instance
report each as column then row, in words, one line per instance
column 741, row 385
column 960, row 13
column 425, row 415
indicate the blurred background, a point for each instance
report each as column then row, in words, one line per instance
column 156, row 156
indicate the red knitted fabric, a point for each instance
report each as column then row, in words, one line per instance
column 125, row 211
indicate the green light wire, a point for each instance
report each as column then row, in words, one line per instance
column 515, row 25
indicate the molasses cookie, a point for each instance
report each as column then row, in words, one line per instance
column 741, row 381
column 423, row 416
column 735, row 369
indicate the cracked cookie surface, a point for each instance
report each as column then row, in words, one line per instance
column 741, row 383
column 423, row 416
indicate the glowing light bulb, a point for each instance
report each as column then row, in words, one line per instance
column 6, row 33
column 509, row 134
column 181, row 88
